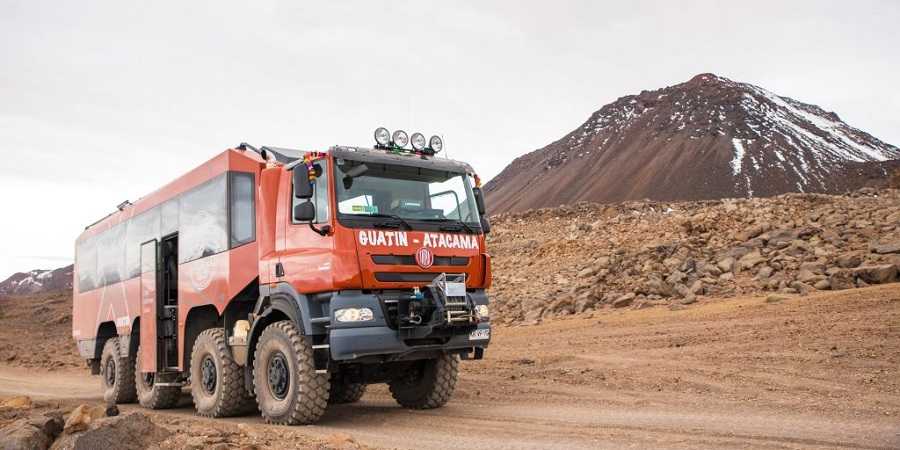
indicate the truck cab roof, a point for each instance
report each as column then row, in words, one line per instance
column 372, row 155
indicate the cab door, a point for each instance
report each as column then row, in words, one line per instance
column 149, row 306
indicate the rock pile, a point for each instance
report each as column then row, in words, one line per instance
column 582, row 257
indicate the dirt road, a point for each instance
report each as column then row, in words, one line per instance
column 814, row 372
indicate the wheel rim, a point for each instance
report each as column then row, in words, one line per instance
column 208, row 375
column 279, row 376
column 110, row 372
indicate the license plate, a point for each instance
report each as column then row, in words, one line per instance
column 478, row 335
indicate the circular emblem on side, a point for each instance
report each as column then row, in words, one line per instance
column 424, row 258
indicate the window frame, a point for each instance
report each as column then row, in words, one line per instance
column 232, row 176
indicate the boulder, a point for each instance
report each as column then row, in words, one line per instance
column 82, row 416
column 877, row 274
column 624, row 300
column 848, row 261
column 841, row 279
column 18, row 402
column 128, row 432
column 751, row 260
column 883, row 248
column 37, row 432
column 697, row 287
column 726, row 264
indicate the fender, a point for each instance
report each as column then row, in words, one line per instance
column 277, row 301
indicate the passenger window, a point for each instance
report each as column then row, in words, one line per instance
column 243, row 216
column 87, row 264
column 142, row 228
column 203, row 220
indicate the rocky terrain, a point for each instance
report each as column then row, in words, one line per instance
column 816, row 371
column 707, row 138
column 585, row 257
column 62, row 425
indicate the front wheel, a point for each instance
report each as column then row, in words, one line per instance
column 429, row 385
column 288, row 389
column 217, row 382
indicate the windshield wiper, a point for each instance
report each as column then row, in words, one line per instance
column 399, row 220
column 454, row 222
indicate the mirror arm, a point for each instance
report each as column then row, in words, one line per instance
column 321, row 231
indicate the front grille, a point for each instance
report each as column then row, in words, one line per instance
column 410, row 260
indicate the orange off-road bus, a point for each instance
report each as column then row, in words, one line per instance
column 283, row 280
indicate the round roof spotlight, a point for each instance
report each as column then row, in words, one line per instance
column 382, row 137
column 436, row 143
column 400, row 138
column 418, row 141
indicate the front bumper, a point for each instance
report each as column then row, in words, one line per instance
column 352, row 341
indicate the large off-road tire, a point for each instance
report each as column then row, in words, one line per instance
column 428, row 386
column 149, row 394
column 345, row 392
column 117, row 374
column 288, row 389
column 217, row 382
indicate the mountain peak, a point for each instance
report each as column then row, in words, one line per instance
column 708, row 78
column 709, row 137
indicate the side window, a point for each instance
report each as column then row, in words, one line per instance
column 169, row 216
column 243, row 214
column 87, row 264
column 141, row 229
column 111, row 255
column 320, row 192
column 203, row 221
column 453, row 198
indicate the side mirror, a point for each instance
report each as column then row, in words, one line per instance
column 485, row 225
column 479, row 200
column 302, row 187
column 305, row 212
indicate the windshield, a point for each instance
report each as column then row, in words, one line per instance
column 410, row 193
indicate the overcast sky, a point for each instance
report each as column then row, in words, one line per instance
column 106, row 101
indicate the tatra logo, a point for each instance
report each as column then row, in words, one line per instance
column 431, row 240
column 424, row 258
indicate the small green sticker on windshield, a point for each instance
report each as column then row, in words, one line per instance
column 368, row 209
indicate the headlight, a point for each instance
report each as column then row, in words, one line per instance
column 482, row 312
column 353, row 315
column 436, row 143
column 418, row 141
column 400, row 138
column 382, row 136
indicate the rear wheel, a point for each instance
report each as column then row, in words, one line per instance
column 151, row 395
column 117, row 373
column 429, row 385
column 217, row 382
column 345, row 392
column 288, row 389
